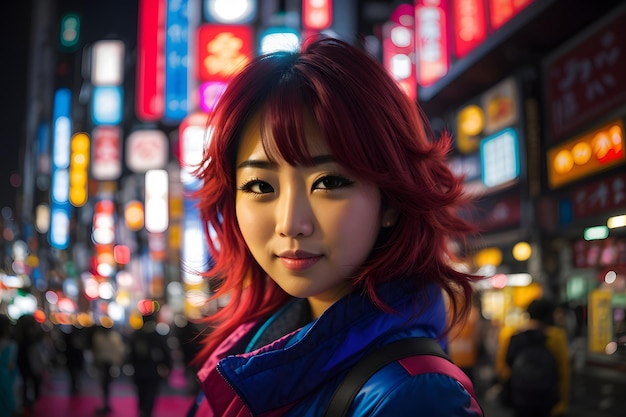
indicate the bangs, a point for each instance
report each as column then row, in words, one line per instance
column 283, row 120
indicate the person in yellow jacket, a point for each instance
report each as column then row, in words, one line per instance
column 540, row 317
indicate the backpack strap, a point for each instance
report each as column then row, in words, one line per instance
column 363, row 370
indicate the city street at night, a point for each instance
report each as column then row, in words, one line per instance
column 57, row 400
column 137, row 229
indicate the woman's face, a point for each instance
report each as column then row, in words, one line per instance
column 309, row 228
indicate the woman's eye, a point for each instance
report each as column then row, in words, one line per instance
column 257, row 187
column 331, row 182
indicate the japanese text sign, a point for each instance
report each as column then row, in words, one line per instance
column 431, row 41
column 222, row 50
column 588, row 79
column 399, row 49
column 601, row 196
column 176, row 51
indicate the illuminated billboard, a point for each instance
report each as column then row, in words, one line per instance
column 150, row 81
column 431, row 41
column 469, row 25
column 587, row 154
column 222, row 50
column 499, row 155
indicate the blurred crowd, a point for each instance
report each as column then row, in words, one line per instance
column 30, row 352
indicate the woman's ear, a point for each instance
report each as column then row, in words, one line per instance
column 389, row 216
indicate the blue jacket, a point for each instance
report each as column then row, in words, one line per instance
column 297, row 374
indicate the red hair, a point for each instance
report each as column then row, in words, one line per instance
column 372, row 128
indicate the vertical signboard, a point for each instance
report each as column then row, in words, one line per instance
column 600, row 320
column 469, row 26
column 431, row 41
column 79, row 164
column 194, row 138
column 60, row 186
column 150, row 100
column 106, row 158
column 69, row 34
column 176, row 60
column 470, row 124
column 399, row 49
column 157, row 197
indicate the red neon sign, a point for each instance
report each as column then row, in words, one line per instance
column 150, row 101
column 501, row 11
column 222, row 51
column 317, row 14
column 431, row 41
column 470, row 28
column 399, row 47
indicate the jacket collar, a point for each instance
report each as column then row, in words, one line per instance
column 290, row 368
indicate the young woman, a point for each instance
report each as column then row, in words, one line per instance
column 330, row 212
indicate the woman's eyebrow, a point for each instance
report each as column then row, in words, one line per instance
column 262, row 164
column 323, row 159
column 257, row 163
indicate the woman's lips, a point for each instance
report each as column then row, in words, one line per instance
column 299, row 264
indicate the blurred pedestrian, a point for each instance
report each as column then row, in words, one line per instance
column 150, row 357
column 75, row 345
column 189, row 337
column 8, row 367
column 108, row 353
column 30, row 358
column 538, row 359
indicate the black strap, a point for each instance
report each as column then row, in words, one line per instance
column 363, row 370
column 193, row 409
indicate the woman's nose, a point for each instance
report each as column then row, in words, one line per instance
column 294, row 214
